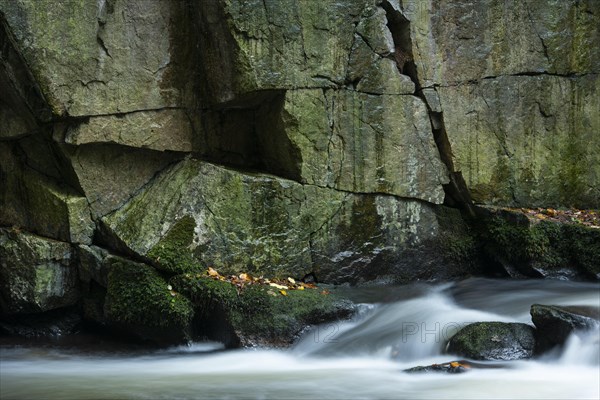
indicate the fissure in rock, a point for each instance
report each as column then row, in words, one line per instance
column 456, row 192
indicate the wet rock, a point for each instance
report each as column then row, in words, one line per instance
column 511, row 162
column 493, row 341
column 454, row 367
column 38, row 274
column 41, row 203
column 555, row 323
column 52, row 323
column 157, row 130
column 257, row 315
column 109, row 174
column 530, row 247
column 140, row 302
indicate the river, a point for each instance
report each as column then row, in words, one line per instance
column 397, row 328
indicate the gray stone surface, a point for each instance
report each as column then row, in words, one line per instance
column 527, row 140
column 357, row 142
column 105, row 57
column 266, row 225
column 37, row 273
column 40, row 204
column 157, row 130
column 109, row 175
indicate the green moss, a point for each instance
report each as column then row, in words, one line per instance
column 172, row 253
column 260, row 311
column 205, row 292
column 138, row 295
column 546, row 245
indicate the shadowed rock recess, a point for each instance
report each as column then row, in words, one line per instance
column 351, row 140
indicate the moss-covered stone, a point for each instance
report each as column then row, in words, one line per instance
column 257, row 314
column 493, row 341
column 140, row 301
column 542, row 248
column 172, row 253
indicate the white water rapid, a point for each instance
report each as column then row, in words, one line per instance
column 398, row 328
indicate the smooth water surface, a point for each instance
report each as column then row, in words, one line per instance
column 398, row 328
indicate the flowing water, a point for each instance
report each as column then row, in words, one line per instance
column 397, row 328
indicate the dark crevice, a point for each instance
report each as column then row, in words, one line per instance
column 457, row 193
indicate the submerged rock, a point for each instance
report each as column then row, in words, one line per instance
column 555, row 323
column 494, row 341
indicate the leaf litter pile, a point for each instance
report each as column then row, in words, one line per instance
column 590, row 218
column 277, row 286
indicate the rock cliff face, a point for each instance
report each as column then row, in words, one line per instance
column 287, row 137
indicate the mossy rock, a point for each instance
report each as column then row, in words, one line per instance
column 257, row 314
column 541, row 248
column 172, row 253
column 140, row 302
column 493, row 341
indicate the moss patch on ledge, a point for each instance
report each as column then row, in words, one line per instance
column 541, row 248
column 258, row 314
column 173, row 252
column 140, row 301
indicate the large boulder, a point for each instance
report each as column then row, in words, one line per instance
column 556, row 323
column 493, row 341
column 546, row 154
column 37, row 274
column 240, row 222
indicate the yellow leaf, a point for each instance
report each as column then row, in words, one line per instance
column 300, row 287
column 212, row 272
column 244, row 277
column 275, row 285
column 292, row 281
column 283, row 292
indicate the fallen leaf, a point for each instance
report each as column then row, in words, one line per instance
column 275, row 285
column 212, row 272
column 292, row 281
column 245, row 277
column 283, row 292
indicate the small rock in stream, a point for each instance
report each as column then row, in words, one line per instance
column 454, row 367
